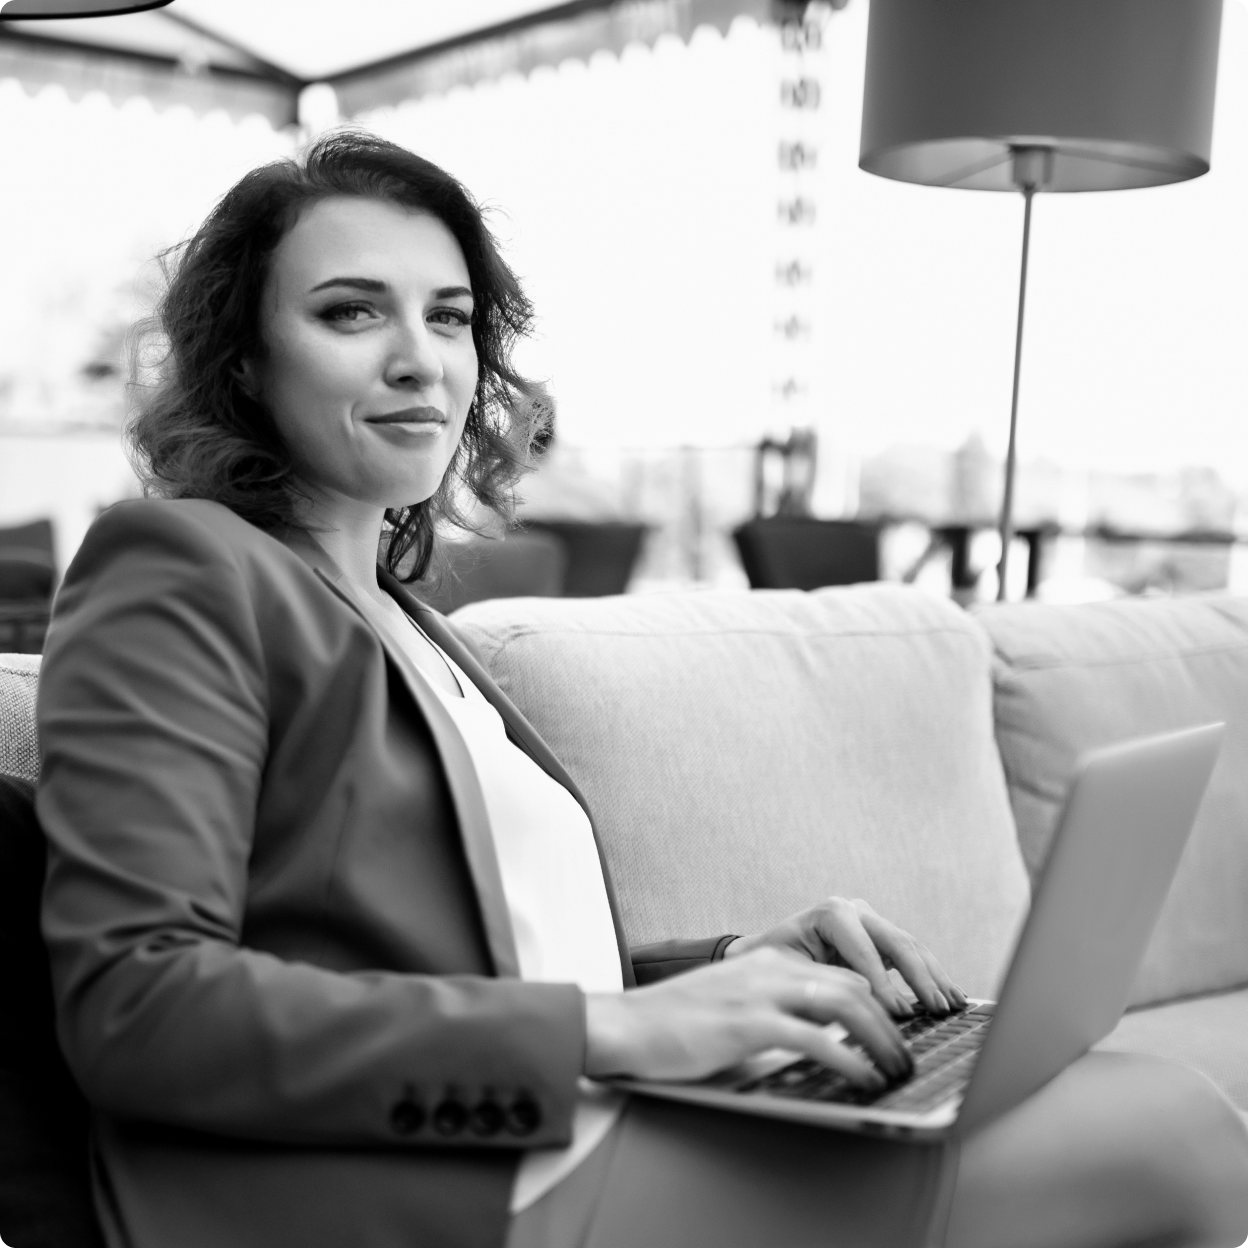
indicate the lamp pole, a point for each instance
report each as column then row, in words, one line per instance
column 1032, row 170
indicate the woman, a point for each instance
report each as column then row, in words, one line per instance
column 331, row 939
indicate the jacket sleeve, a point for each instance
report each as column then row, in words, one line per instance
column 671, row 957
column 154, row 722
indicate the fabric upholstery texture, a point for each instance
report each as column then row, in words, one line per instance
column 19, row 750
column 1071, row 678
column 746, row 755
column 1204, row 1032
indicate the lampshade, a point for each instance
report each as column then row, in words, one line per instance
column 1119, row 91
column 28, row 10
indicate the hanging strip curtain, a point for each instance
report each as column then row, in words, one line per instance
column 208, row 73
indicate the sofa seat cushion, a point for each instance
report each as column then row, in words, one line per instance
column 1075, row 677
column 747, row 754
column 1208, row 1033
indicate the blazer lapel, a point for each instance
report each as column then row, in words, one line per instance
column 520, row 730
column 461, row 775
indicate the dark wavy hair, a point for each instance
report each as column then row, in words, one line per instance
column 197, row 432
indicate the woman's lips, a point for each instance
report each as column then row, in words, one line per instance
column 421, row 416
column 411, row 422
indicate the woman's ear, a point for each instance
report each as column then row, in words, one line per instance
column 244, row 373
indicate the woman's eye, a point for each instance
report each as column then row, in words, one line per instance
column 348, row 312
column 450, row 316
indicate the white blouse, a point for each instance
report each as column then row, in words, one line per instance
column 556, row 895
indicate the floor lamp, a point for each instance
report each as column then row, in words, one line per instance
column 1039, row 95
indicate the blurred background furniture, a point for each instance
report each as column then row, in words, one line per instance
column 790, row 492
column 27, row 579
column 784, row 546
column 963, row 575
column 800, row 552
column 516, row 565
column 545, row 559
column 1184, row 561
column 601, row 555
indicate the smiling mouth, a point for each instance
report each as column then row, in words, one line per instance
column 409, row 416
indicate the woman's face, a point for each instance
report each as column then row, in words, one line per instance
column 369, row 365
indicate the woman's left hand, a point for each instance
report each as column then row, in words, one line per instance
column 848, row 933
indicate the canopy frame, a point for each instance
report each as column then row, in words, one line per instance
column 225, row 73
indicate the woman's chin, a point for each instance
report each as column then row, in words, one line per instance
column 411, row 493
column 395, row 490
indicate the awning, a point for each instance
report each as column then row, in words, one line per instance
column 258, row 56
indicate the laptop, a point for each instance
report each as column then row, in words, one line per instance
column 1127, row 817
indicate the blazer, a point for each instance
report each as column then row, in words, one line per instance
column 282, row 961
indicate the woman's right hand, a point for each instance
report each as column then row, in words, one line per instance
column 695, row 1024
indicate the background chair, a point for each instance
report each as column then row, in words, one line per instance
column 799, row 552
column 27, row 579
column 519, row 565
column 601, row 556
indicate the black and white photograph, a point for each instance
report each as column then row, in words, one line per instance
column 624, row 623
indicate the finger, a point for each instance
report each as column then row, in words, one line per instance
column 842, row 927
column 889, row 937
column 903, row 950
column 952, row 992
column 791, row 1033
column 835, row 997
column 872, row 1028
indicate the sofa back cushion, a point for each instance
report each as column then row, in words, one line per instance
column 747, row 754
column 1071, row 678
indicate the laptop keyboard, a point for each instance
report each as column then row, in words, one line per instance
column 944, row 1049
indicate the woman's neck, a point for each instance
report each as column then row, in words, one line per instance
column 350, row 534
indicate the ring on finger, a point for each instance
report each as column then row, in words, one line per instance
column 808, row 993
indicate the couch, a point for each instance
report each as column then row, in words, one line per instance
column 749, row 753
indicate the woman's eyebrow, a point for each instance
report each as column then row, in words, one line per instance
column 373, row 286
column 370, row 284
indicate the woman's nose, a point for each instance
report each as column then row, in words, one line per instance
column 414, row 358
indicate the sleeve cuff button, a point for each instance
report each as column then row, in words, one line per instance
column 524, row 1116
column 407, row 1117
column 486, row 1119
column 449, row 1118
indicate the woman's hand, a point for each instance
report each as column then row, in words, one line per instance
column 694, row 1024
column 851, row 934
